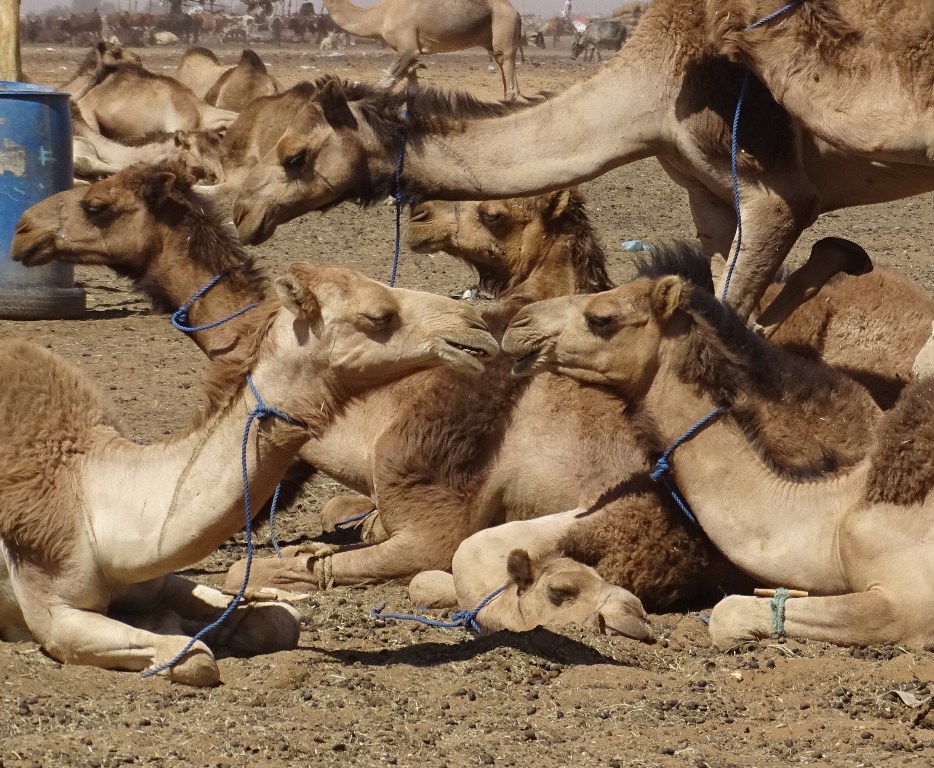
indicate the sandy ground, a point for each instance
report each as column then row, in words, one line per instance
column 364, row 693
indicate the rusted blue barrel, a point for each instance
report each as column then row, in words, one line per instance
column 35, row 162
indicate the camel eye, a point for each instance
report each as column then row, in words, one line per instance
column 492, row 220
column 560, row 595
column 94, row 207
column 295, row 160
column 600, row 325
column 379, row 319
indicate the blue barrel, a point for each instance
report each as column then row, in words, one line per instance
column 35, row 162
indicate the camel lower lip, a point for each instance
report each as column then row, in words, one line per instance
column 524, row 364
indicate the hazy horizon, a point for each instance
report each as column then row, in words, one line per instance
column 544, row 8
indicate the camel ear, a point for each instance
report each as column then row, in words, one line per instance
column 519, row 569
column 666, row 296
column 297, row 297
column 334, row 104
column 157, row 187
column 558, row 204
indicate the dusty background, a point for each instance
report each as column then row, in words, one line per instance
column 361, row 693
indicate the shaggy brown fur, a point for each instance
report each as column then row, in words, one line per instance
column 33, row 381
column 901, row 471
column 829, row 432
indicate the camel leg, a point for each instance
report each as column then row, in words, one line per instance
column 74, row 636
column 405, row 61
column 714, row 221
column 773, row 219
column 861, row 617
column 433, row 589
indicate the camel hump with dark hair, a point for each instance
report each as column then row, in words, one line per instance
column 902, row 461
column 249, row 58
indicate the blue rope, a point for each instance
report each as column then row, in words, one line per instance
column 663, row 465
column 261, row 411
column 354, row 519
column 466, row 618
column 734, row 149
column 400, row 199
column 180, row 317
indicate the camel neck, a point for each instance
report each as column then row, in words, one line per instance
column 163, row 507
column 760, row 520
column 362, row 22
column 539, row 149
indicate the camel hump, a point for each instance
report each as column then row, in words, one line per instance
column 901, row 469
column 249, row 59
column 197, row 52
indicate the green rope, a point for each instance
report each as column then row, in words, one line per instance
column 777, row 603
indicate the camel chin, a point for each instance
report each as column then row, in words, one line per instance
column 255, row 226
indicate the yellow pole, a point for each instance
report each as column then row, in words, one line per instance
column 10, row 66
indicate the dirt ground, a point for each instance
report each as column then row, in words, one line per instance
column 364, row 693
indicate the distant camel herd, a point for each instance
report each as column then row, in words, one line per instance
column 584, row 451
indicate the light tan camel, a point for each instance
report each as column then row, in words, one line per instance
column 95, row 156
column 127, row 102
column 92, row 523
column 842, row 532
column 101, row 56
column 416, row 27
column 668, row 93
column 225, row 87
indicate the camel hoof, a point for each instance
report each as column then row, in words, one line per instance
column 196, row 668
column 259, row 628
column 433, row 589
column 730, row 620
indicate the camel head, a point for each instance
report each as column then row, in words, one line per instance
column 507, row 241
column 611, row 338
column 317, row 162
column 200, row 152
column 561, row 591
column 366, row 332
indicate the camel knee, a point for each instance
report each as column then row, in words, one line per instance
column 433, row 589
column 735, row 620
column 196, row 668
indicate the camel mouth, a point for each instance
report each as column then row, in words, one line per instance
column 470, row 356
column 631, row 626
column 253, row 228
column 33, row 249
column 528, row 364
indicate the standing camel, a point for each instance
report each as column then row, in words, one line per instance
column 669, row 93
column 415, row 27
column 92, row 525
column 768, row 490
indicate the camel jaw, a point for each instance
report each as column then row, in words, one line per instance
column 33, row 248
column 254, row 224
column 464, row 355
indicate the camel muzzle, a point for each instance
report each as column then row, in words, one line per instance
column 31, row 247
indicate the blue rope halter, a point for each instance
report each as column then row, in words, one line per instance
column 180, row 317
column 400, row 198
column 734, row 174
column 663, row 465
column 261, row 411
column 466, row 618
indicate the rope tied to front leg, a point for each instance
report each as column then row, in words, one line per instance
column 777, row 604
column 260, row 411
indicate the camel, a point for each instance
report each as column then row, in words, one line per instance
column 127, row 101
column 668, row 93
column 412, row 29
column 95, row 155
column 101, row 56
column 92, row 525
column 841, row 531
column 230, row 88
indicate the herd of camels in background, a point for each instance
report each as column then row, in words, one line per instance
column 811, row 473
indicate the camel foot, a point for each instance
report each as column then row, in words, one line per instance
column 387, row 82
column 196, row 668
column 301, row 569
column 258, row 628
column 433, row 589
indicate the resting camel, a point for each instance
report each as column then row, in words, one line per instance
column 840, row 530
column 416, row 27
column 127, row 102
column 101, row 56
column 95, row 155
column 229, row 88
column 668, row 93
column 92, row 525
column 534, row 239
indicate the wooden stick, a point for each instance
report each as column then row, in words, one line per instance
column 771, row 593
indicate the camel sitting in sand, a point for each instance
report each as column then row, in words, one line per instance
column 768, row 490
column 225, row 87
column 101, row 56
column 92, row 524
column 416, row 27
column 96, row 156
column 668, row 93
column 129, row 102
